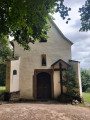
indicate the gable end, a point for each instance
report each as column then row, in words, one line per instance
column 60, row 32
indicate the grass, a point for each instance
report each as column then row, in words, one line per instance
column 82, row 105
column 2, row 89
column 86, row 97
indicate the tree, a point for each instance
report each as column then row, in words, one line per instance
column 5, row 51
column 26, row 20
column 85, row 16
column 2, row 74
column 85, row 77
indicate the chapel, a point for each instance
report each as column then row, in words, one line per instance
column 38, row 74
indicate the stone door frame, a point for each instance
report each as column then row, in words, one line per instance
column 36, row 72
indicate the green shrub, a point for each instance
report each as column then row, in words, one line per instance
column 85, row 77
column 71, row 82
column 2, row 74
column 88, row 90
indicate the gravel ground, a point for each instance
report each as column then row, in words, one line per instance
column 43, row 111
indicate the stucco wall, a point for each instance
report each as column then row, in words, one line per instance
column 12, row 81
column 55, row 48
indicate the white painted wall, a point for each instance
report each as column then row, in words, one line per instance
column 14, row 79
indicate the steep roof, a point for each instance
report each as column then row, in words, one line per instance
column 60, row 32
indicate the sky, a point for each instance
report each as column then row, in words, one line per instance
column 81, row 40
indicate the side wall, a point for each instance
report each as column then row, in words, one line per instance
column 12, row 81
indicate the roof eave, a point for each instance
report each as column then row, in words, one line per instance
column 59, row 61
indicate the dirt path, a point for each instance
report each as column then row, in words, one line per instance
column 43, row 111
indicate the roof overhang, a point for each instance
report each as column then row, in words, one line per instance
column 60, row 60
column 74, row 61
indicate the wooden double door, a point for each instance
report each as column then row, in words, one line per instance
column 43, row 86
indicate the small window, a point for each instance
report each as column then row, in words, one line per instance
column 44, row 39
column 14, row 72
column 43, row 60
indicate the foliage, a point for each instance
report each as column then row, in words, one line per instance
column 85, row 16
column 5, row 51
column 2, row 74
column 86, row 97
column 26, row 20
column 71, row 82
column 63, row 10
column 85, row 77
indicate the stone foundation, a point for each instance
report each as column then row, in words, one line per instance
column 70, row 99
column 2, row 97
column 13, row 96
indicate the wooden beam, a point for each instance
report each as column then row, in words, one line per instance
column 58, row 69
column 60, row 65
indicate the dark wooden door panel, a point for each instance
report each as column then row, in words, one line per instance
column 43, row 86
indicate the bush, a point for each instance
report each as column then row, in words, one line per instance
column 85, row 77
column 71, row 82
column 88, row 90
column 2, row 74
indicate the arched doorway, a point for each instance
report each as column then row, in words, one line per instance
column 43, row 86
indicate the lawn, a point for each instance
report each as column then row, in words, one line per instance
column 2, row 89
column 86, row 97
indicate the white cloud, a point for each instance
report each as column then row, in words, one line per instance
column 74, row 2
column 81, row 47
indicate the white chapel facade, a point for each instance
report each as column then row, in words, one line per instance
column 37, row 73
